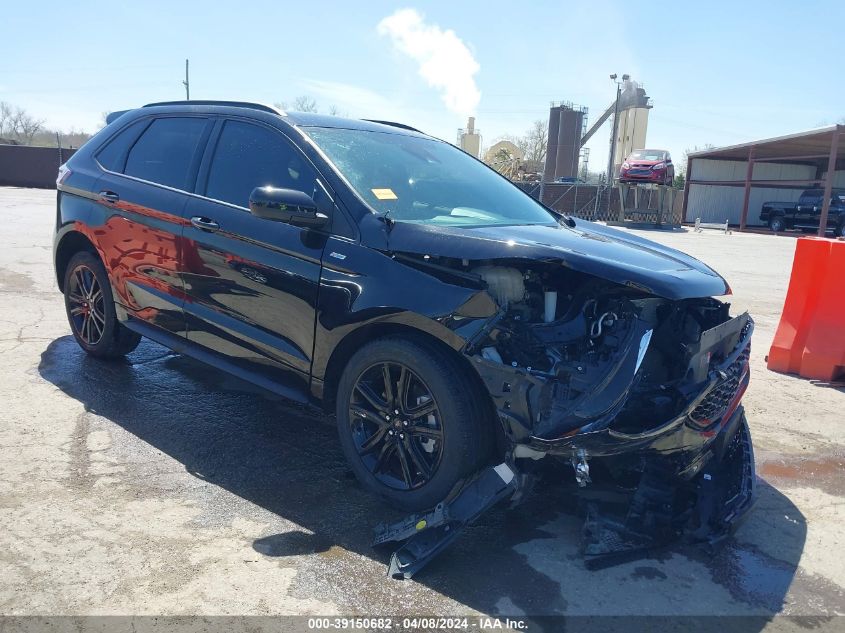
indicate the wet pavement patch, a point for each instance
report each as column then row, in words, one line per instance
column 826, row 473
column 283, row 462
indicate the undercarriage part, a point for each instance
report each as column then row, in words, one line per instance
column 430, row 533
column 581, row 467
column 665, row 508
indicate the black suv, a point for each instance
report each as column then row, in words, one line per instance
column 451, row 322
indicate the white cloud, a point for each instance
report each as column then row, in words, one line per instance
column 443, row 60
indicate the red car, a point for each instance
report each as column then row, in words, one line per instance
column 648, row 165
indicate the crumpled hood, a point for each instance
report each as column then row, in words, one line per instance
column 591, row 248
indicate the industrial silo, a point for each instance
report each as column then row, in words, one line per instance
column 566, row 127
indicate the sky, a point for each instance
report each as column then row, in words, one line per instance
column 718, row 72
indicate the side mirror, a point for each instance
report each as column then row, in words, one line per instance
column 286, row 205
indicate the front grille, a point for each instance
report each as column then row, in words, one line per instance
column 715, row 403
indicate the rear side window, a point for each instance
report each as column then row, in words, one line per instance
column 166, row 151
column 249, row 156
column 811, row 197
column 113, row 155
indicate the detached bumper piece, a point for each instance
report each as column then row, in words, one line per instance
column 426, row 535
column 724, row 491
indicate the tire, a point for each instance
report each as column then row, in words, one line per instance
column 90, row 309
column 776, row 224
column 440, row 447
column 839, row 231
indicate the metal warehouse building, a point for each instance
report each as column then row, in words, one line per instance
column 732, row 183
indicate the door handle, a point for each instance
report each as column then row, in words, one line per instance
column 109, row 196
column 204, row 224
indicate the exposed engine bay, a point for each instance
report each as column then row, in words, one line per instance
column 598, row 354
column 640, row 394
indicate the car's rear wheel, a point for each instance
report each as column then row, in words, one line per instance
column 90, row 309
column 410, row 423
column 776, row 224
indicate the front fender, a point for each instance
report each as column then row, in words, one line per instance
column 369, row 290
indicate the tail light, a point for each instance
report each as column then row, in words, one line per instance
column 64, row 172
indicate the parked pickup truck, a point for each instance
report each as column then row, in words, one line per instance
column 806, row 213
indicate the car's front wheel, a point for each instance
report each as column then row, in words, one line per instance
column 410, row 423
column 90, row 309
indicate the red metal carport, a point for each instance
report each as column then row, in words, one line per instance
column 818, row 148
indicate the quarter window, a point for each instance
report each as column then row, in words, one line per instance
column 249, row 156
column 166, row 151
column 113, row 155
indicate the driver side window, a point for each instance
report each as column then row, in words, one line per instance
column 249, row 156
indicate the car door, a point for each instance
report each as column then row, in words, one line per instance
column 251, row 284
column 149, row 168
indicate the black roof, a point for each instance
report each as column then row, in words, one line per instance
column 300, row 119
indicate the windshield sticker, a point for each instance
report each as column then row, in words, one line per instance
column 384, row 194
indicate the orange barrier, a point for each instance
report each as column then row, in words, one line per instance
column 810, row 339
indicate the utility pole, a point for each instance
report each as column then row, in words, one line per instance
column 187, row 83
column 610, row 161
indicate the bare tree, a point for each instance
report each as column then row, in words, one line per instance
column 16, row 124
column 27, row 126
column 6, row 118
column 304, row 103
column 682, row 168
column 535, row 141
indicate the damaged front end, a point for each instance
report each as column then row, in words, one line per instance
column 638, row 392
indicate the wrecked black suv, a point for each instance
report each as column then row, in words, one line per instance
column 459, row 330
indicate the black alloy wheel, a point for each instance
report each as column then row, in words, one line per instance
column 86, row 305
column 397, row 427
column 411, row 421
column 91, row 310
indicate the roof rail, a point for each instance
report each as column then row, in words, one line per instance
column 212, row 102
column 394, row 124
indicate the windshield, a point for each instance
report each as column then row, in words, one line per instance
column 648, row 154
column 422, row 180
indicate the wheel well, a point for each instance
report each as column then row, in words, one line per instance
column 357, row 339
column 71, row 244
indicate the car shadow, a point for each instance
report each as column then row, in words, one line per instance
column 285, row 459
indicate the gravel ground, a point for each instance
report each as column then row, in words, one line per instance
column 160, row 486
